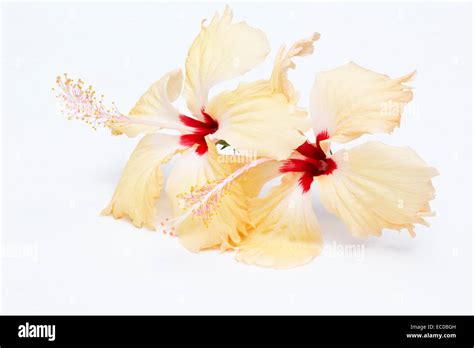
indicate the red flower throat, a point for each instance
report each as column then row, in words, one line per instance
column 201, row 129
column 311, row 163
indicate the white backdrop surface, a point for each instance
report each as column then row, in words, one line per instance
column 61, row 257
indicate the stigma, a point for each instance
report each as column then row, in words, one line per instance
column 199, row 132
column 310, row 160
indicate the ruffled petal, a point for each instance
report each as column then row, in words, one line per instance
column 222, row 222
column 350, row 101
column 255, row 178
column 286, row 232
column 284, row 62
column 377, row 186
column 141, row 182
column 223, row 50
column 154, row 110
column 253, row 118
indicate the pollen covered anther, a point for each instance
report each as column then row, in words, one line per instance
column 81, row 103
column 209, row 195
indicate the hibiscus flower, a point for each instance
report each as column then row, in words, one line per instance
column 260, row 116
column 370, row 187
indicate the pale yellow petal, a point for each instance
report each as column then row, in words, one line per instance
column 154, row 110
column 141, row 182
column 284, row 62
column 226, row 223
column 350, row 101
column 254, row 179
column 286, row 232
column 253, row 118
column 377, row 186
column 223, row 50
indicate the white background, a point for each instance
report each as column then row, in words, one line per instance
column 61, row 257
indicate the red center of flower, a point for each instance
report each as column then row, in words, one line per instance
column 201, row 129
column 311, row 161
